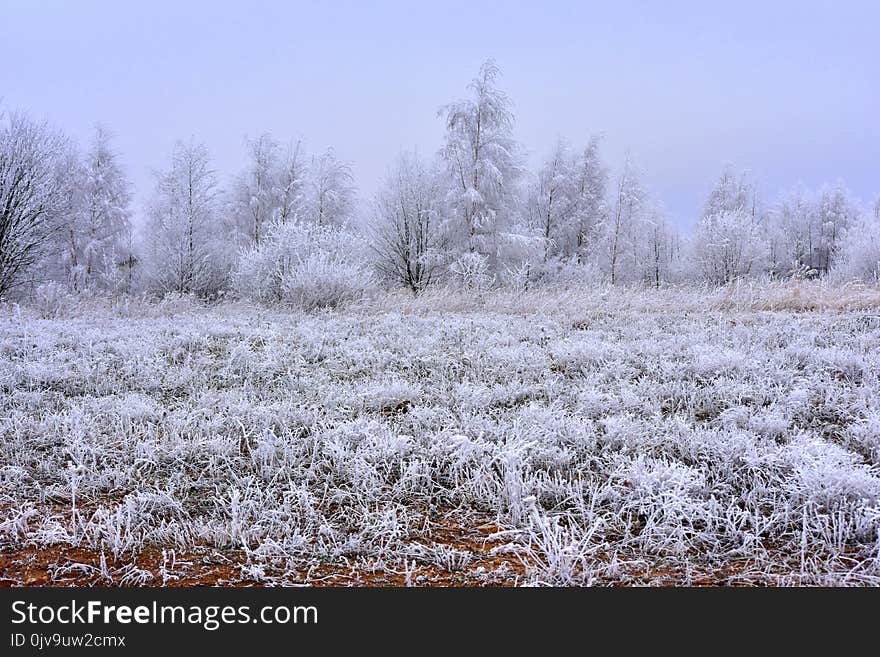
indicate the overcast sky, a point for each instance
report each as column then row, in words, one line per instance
column 787, row 90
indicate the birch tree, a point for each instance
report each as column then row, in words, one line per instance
column 591, row 180
column 98, row 228
column 329, row 189
column 552, row 202
column 291, row 180
column 255, row 193
column 728, row 245
column 629, row 197
column 482, row 163
column 186, row 236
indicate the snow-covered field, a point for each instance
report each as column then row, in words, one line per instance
column 542, row 438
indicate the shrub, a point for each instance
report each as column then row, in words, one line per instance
column 306, row 266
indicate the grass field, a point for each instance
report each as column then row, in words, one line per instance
column 623, row 438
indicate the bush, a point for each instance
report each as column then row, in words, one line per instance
column 53, row 300
column 305, row 266
column 471, row 271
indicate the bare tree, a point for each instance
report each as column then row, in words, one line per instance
column 552, row 202
column 330, row 190
column 629, row 198
column 836, row 213
column 728, row 245
column 591, row 179
column 31, row 193
column 658, row 248
column 408, row 235
column 186, row 247
column 566, row 202
column 291, row 183
column 255, row 192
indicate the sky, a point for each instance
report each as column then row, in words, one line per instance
column 789, row 91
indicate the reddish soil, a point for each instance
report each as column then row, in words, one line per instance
column 65, row 565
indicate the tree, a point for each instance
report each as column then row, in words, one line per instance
column 859, row 255
column 270, row 189
column 659, row 249
column 482, row 164
column 255, row 191
column 409, row 239
column 730, row 240
column 620, row 229
column 793, row 235
column 591, row 180
column 31, row 196
column 291, row 177
column 806, row 231
column 732, row 193
column 187, row 253
column 330, row 193
column 835, row 213
column 97, row 229
column 728, row 245
column 552, row 202
column 566, row 202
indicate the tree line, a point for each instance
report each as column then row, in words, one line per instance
column 289, row 227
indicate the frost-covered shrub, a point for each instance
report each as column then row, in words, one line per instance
column 306, row 266
column 572, row 273
column 472, row 271
column 52, row 300
column 175, row 303
column 319, row 281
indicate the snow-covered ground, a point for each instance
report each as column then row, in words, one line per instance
column 631, row 437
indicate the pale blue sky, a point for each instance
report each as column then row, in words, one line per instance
column 788, row 90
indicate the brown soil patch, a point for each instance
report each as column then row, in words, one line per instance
column 468, row 551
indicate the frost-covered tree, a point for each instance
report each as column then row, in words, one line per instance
column 408, row 234
column 860, row 254
column 730, row 240
column 290, row 181
column 732, row 193
column 566, row 202
column 835, row 213
column 552, row 202
column 591, row 180
column 658, row 249
column 187, row 250
column 728, row 245
column 329, row 190
column 97, row 230
column 482, row 164
column 620, row 229
column 32, row 194
column 805, row 231
column 270, row 189
column 792, row 234
column 255, row 192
